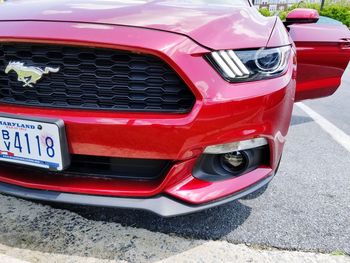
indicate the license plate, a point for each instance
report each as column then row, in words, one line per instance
column 33, row 141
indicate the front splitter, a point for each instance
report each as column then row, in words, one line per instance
column 161, row 205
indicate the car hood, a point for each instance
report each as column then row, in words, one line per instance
column 214, row 26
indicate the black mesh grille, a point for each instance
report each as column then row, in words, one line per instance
column 93, row 78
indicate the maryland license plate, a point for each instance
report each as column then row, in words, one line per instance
column 33, row 141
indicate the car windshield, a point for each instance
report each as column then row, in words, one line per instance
column 328, row 21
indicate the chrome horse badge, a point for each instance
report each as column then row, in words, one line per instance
column 28, row 75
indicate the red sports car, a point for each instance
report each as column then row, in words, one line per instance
column 167, row 106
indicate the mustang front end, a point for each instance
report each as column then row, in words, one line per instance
column 135, row 117
column 156, row 127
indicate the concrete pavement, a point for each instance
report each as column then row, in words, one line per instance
column 212, row 251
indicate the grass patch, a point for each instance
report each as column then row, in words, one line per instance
column 338, row 253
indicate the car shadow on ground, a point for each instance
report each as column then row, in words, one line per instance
column 107, row 233
column 111, row 233
column 209, row 224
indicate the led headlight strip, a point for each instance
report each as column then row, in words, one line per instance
column 250, row 65
column 230, row 63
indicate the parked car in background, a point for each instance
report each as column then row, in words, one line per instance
column 167, row 106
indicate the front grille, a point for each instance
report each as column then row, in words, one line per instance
column 93, row 78
column 104, row 167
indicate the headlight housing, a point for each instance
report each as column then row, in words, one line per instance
column 251, row 65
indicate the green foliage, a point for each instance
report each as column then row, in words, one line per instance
column 339, row 11
column 283, row 15
column 265, row 12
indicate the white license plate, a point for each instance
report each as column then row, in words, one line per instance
column 33, row 141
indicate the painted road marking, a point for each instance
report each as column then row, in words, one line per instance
column 337, row 134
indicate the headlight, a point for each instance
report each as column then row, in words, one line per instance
column 249, row 65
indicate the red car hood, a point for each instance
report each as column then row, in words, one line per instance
column 216, row 27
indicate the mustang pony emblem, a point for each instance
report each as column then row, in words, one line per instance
column 28, row 75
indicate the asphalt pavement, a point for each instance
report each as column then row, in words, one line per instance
column 306, row 208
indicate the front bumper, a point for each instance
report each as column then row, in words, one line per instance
column 162, row 205
column 222, row 113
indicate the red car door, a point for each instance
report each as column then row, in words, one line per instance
column 323, row 53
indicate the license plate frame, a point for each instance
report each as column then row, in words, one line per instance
column 65, row 158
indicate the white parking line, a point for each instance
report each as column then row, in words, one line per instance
column 337, row 134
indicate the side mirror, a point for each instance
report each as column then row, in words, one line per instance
column 302, row 15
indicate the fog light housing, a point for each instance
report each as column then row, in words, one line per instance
column 236, row 146
column 225, row 161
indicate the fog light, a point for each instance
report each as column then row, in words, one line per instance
column 234, row 161
column 226, row 161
